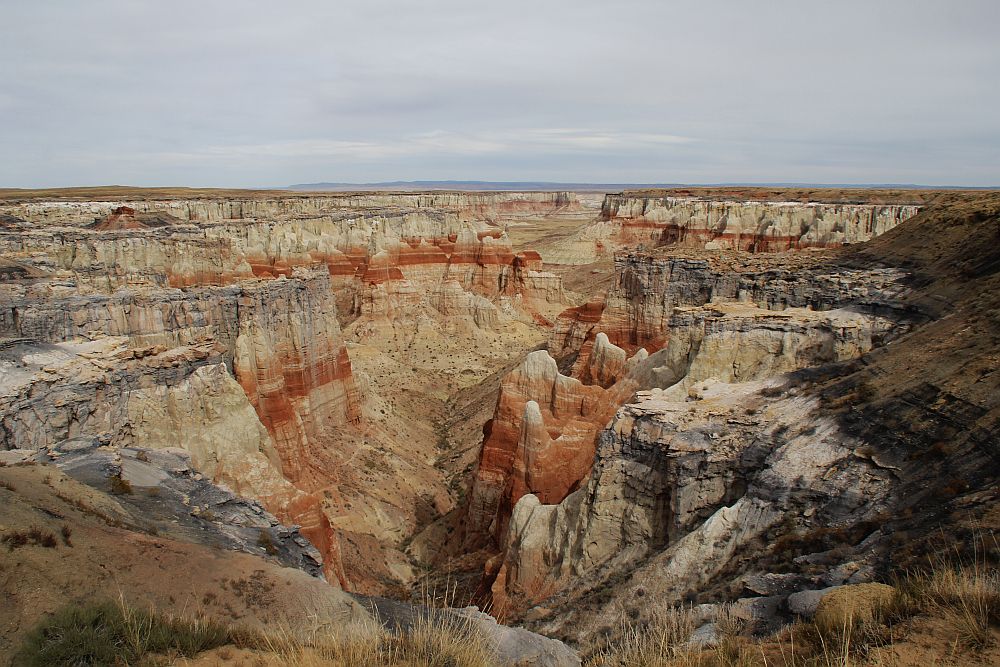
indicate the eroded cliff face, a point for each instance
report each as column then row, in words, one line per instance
column 729, row 321
column 247, row 378
column 678, row 487
column 629, row 221
column 381, row 261
column 465, row 205
column 256, row 289
column 541, row 437
column 649, row 290
column 759, row 463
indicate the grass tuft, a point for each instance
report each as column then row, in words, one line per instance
column 32, row 536
column 120, row 486
column 110, row 633
column 107, row 633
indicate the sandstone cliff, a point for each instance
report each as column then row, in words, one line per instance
column 630, row 220
column 257, row 288
column 649, row 288
column 740, row 485
column 467, row 205
column 136, row 368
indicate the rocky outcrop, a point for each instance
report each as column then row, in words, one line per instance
column 729, row 343
column 729, row 319
column 249, row 379
column 677, row 488
column 649, row 289
column 541, row 438
column 724, row 485
column 628, row 221
column 291, row 362
column 466, row 205
column 698, row 320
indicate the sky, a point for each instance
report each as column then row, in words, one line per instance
column 246, row 93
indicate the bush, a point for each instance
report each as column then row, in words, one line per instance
column 120, row 486
column 34, row 535
column 105, row 633
column 266, row 542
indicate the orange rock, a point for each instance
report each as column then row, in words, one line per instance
column 541, row 439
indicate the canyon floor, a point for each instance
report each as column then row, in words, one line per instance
column 576, row 411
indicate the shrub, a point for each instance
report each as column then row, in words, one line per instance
column 119, row 485
column 266, row 542
column 105, row 633
column 34, row 535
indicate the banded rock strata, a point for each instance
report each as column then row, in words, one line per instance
column 714, row 484
column 692, row 321
column 249, row 289
column 628, row 221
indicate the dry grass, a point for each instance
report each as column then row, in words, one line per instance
column 119, row 485
column 105, row 633
column 116, row 633
column 962, row 600
column 965, row 596
column 656, row 641
column 83, row 507
column 34, row 536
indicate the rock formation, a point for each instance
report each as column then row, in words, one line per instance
column 650, row 288
column 260, row 285
column 775, row 480
column 632, row 220
column 763, row 388
column 541, row 438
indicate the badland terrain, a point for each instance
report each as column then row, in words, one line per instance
column 580, row 412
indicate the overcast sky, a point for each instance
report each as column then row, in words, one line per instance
column 263, row 93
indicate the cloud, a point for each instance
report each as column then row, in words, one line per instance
column 430, row 144
column 251, row 93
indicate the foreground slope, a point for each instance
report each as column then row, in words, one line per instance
column 70, row 546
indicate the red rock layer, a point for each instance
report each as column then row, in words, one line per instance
column 746, row 226
column 291, row 361
column 122, row 217
column 541, row 440
column 292, row 364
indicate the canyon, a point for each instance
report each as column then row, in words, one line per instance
column 560, row 404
